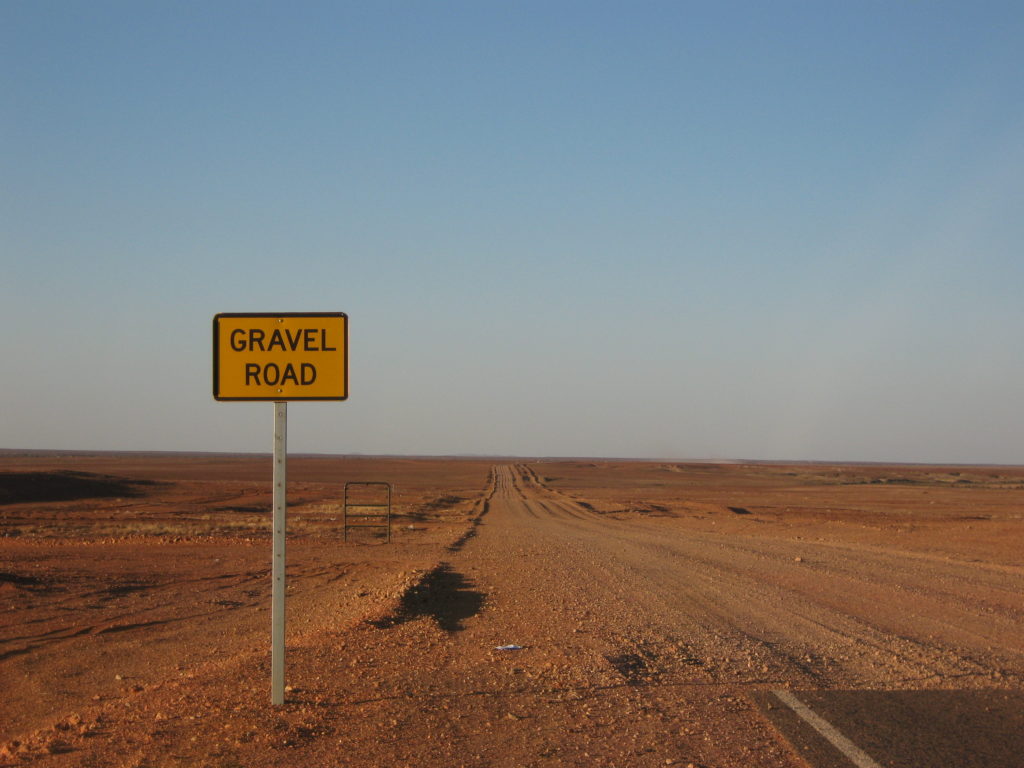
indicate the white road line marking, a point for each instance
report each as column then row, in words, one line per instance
column 857, row 756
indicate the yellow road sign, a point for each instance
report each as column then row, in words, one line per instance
column 280, row 356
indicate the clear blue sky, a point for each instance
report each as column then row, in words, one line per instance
column 678, row 229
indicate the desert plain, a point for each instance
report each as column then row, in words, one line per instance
column 524, row 613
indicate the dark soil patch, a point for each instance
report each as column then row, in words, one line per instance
column 66, row 485
column 444, row 595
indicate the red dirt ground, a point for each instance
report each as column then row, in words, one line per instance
column 654, row 604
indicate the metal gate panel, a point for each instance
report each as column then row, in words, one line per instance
column 363, row 515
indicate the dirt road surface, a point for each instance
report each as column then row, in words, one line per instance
column 651, row 609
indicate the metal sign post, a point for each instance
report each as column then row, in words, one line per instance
column 277, row 568
column 279, row 357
